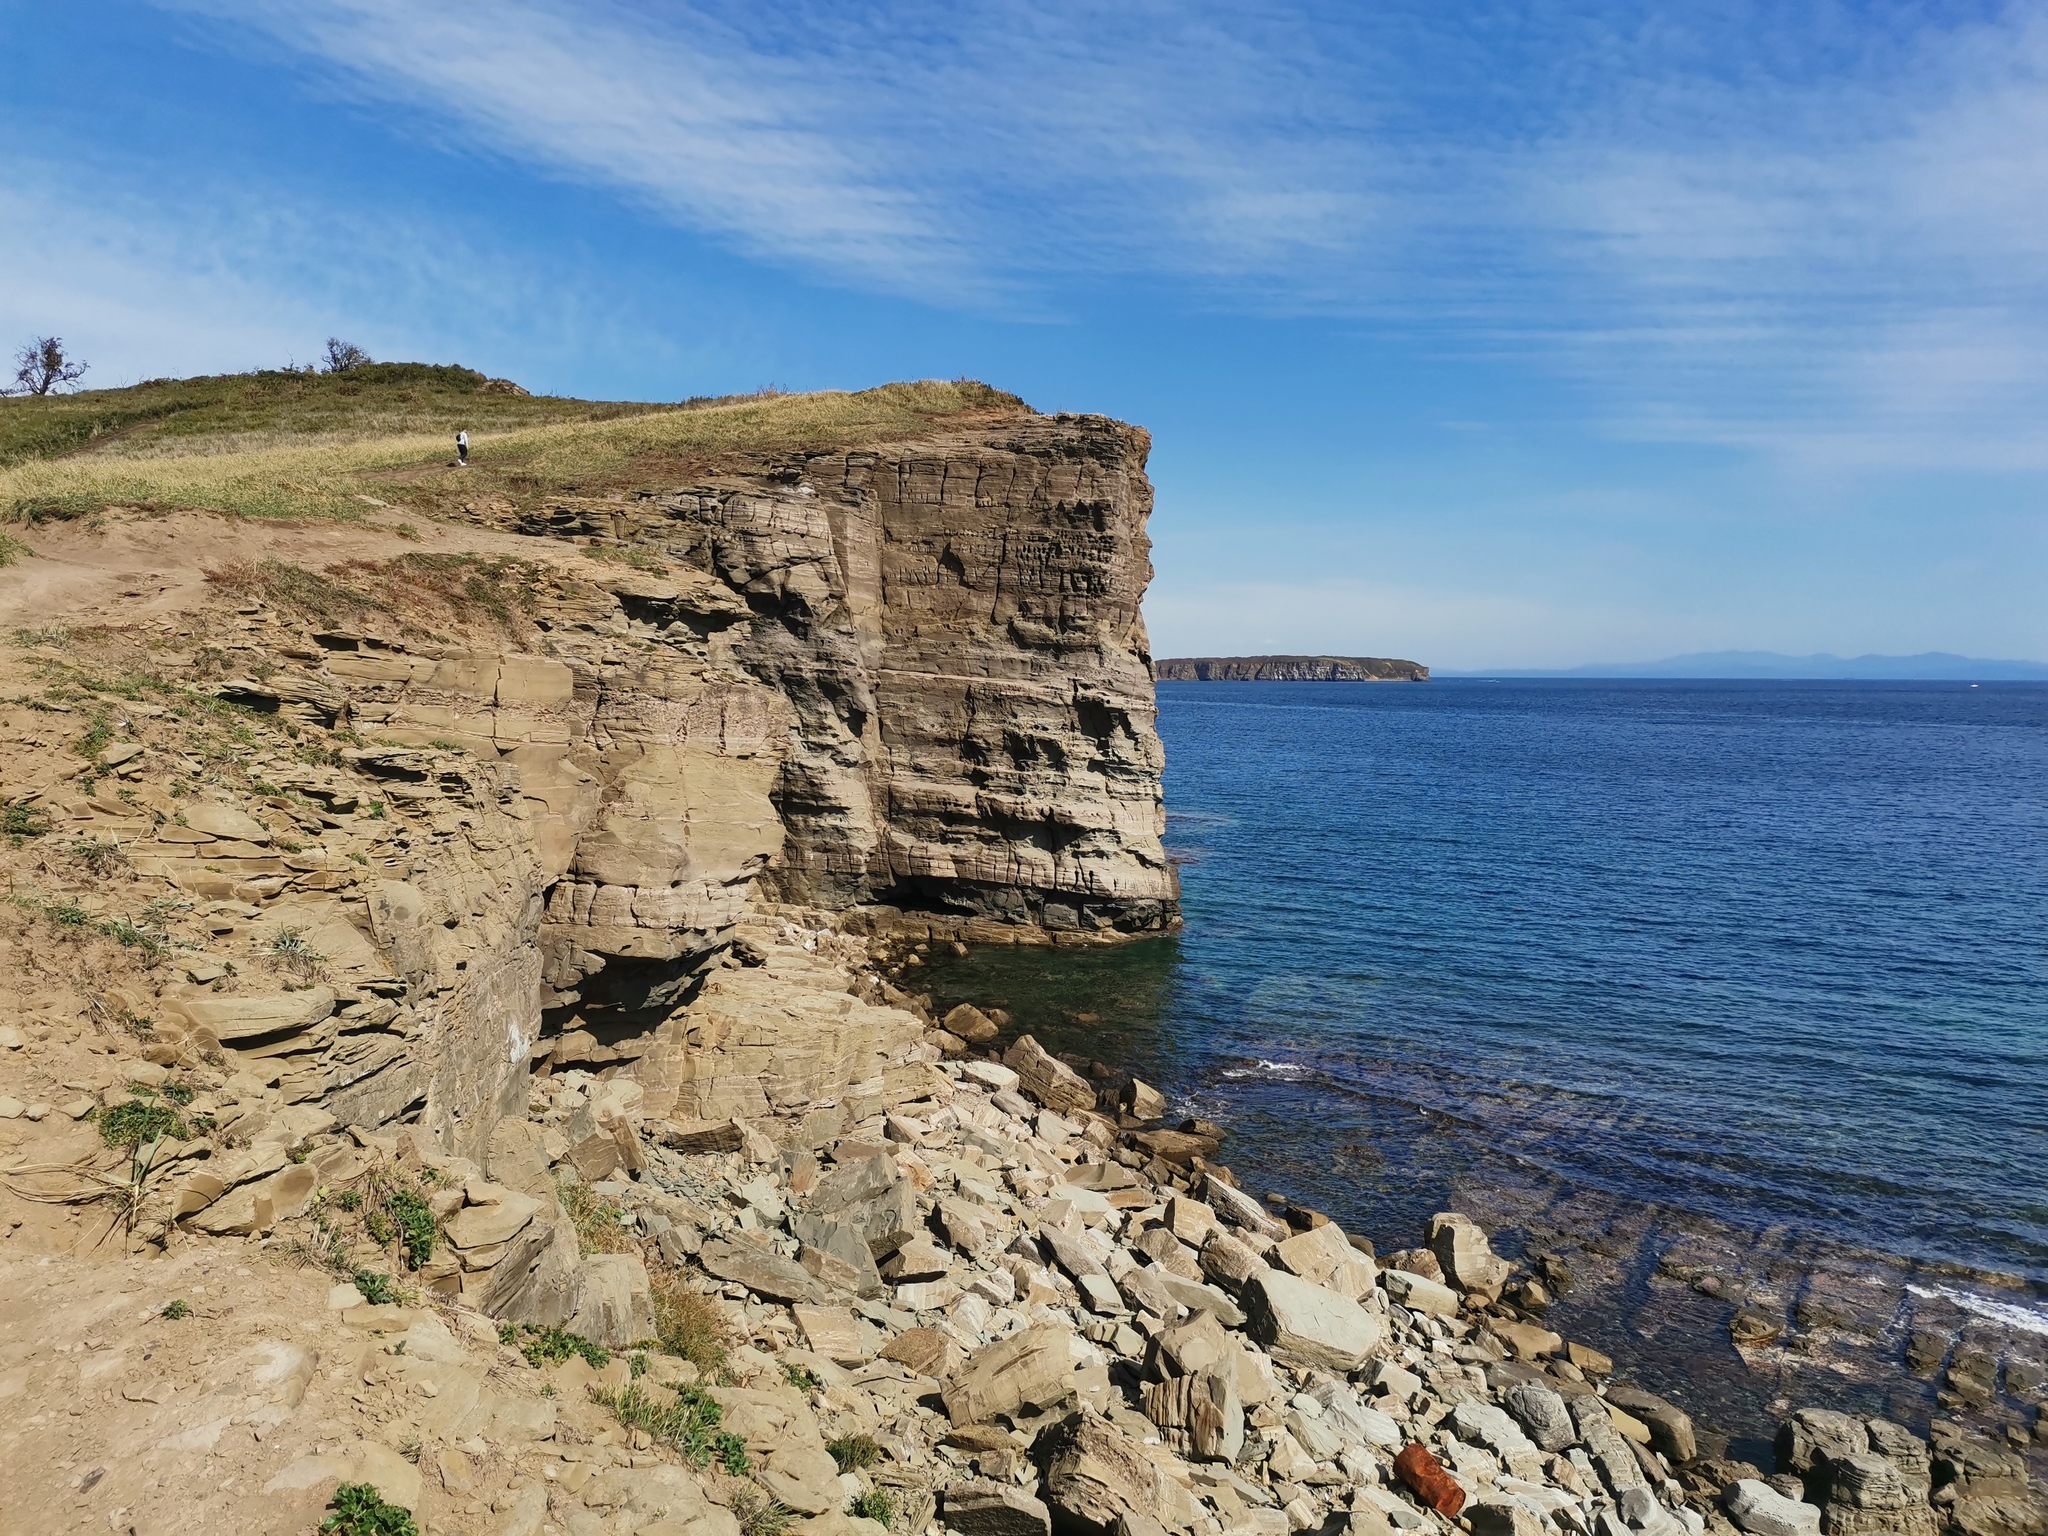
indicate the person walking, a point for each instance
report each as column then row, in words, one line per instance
column 462, row 447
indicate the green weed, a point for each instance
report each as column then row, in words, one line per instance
column 877, row 1504
column 360, row 1510
column 128, row 1125
column 173, row 1311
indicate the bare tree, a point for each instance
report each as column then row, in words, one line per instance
column 344, row 355
column 41, row 367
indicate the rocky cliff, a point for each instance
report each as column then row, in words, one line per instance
column 1288, row 669
column 512, row 781
column 955, row 625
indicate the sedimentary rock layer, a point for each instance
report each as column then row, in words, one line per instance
column 956, row 626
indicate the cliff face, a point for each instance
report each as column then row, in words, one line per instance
column 955, row 625
column 505, row 798
column 1289, row 669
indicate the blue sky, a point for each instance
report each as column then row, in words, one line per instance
column 1486, row 335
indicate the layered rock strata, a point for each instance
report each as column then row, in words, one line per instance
column 956, row 625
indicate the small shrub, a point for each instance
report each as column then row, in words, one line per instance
column 803, row 1379
column 731, row 1451
column 688, row 1323
column 415, row 1224
column 18, row 820
column 877, row 1504
column 378, row 1290
column 128, row 1125
column 854, row 1453
column 173, row 1311
column 360, row 1510
column 349, row 1200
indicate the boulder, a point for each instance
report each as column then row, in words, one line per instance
column 1199, row 1413
column 480, row 1226
column 1762, row 1511
column 1048, row 1079
column 537, row 1280
column 1032, row 1368
column 1240, row 1209
column 230, row 1019
column 929, row 1352
column 1469, row 1262
column 1670, row 1427
column 1141, row 1101
column 1526, row 1341
column 1542, row 1413
column 1305, row 1325
column 1097, row 1479
column 1325, row 1256
column 759, row 1268
column 970, row 1024
column 615, row 1305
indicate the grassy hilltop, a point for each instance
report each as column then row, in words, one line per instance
column 296, row 445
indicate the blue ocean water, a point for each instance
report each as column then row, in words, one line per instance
column 1774, row 953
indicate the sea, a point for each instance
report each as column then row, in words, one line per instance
column 1773, row 955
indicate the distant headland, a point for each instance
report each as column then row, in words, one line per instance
column 1288, row 669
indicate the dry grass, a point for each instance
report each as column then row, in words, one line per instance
column 281, row 469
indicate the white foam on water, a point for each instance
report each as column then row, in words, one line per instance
column 2010, row 1313
column 1267, row 1069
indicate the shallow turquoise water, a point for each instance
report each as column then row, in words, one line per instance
column 1772, row 952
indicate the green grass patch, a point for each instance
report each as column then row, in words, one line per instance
column 551, row 1346
column 127, row 1126
column 689, row 1425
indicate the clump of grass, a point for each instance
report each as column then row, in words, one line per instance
column 288, row 954
column 101, row 858
column 688, row 1425
column 877, row 1504
column 174, row 1311
column 600, row 1223
column 127, row 1126
column 360, row 1510
column 12, row 549
column 551, row 1346
column 760, row 1515
column 688, row 1323
column 94, row 741
column 854, row 1453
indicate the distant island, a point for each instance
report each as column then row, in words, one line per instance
column 1928, row 666
column 1289, row 669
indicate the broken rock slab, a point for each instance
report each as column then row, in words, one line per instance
column 1033, row 1368
column 760, row 1269
column 1761, row 1510
column 984, row 1508
column 1048, row 1079
column 1302, row 1324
